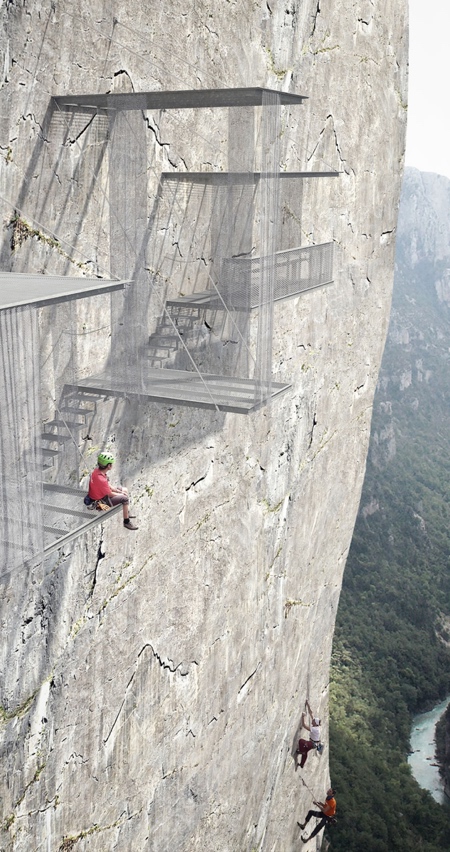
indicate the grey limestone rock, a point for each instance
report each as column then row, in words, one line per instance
column 152, row 683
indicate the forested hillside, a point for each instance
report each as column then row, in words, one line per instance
column 392, row 642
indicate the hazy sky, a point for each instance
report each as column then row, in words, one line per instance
column 428, row 136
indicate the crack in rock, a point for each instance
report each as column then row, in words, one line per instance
column 73, row 140
column 156, row 132
column 329, row 118
column 314, row 423
column 193, row 484
column 315, row 16
column 242, row 692
column 169, row 665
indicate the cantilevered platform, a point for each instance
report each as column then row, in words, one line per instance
column 297, row 271
column 207, row 299
column 19, row 288
column 238, row 178
column 183, row 99
column 179, row 387
column 66, row 517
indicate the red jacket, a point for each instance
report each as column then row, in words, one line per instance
column 99, row 486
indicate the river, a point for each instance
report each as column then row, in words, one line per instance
column 423, row 751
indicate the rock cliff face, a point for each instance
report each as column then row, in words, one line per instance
column 424, row 228
column 152, row 687
column 414, row 374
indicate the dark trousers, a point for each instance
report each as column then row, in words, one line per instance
column 318, row 815
column 304, row 746
column 116, row 499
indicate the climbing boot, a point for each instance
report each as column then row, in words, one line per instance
column 129, row 526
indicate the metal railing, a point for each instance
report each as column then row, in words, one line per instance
column 296, row 271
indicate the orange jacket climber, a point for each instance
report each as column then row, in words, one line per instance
column 326, row 815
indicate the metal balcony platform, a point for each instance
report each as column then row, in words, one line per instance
column 20, row 288
column 297, row 271
column 66, row 517
column 203, row 299
column 238, row 178
column 63, row 518
column 181, row 99
column 179, row 387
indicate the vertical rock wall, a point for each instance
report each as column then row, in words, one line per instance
column 152, row 683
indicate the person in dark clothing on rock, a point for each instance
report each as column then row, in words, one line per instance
column 305, row 746
column 326, row 815
column 314, row 724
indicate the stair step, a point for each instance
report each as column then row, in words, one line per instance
column 64, row 489
column 157, row 350
column 68, row 424
column 52, row 436
column 62, row 510
column 158, row 339
column 55, row 531
column 72, row 410
column 178, row 322
column 46, row 451
column 183, row 311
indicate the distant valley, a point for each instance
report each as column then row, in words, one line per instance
column 391, row 653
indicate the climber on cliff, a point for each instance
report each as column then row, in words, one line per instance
column 102, row 492
column 326, row 815
column 305, row 746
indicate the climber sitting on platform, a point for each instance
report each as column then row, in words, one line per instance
column 100, row 490
column 304, row 746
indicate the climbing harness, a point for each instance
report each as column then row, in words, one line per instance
column 100, row 505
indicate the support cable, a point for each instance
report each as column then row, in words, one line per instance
column 226, row 308
column 134, row 250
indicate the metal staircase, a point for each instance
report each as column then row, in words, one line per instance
column 179, row 319
column 63, row 429
column 64, row 513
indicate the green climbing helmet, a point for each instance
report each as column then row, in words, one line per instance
column 104, row 459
